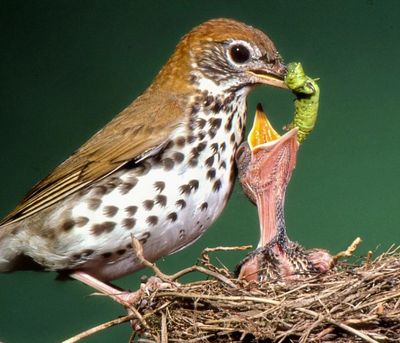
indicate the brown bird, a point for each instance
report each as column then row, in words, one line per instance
column 162, row 170
column 265, row 166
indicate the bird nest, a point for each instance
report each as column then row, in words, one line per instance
column 358, row 302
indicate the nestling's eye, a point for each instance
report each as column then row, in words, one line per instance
column 239, row 53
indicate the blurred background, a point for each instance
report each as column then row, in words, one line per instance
column 67, row 67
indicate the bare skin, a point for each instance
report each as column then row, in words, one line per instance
column 265, row 165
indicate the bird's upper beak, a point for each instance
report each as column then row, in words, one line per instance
column 273, row 76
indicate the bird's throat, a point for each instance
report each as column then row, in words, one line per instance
column 271, row 170
column 270, row 205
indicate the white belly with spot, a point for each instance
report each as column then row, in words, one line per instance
column 192, row 197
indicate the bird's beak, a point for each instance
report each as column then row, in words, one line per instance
column 273, row 76
column 263, row 136
column 262, row 131
column 273, row 159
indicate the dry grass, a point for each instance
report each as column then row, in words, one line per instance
column 352, row 303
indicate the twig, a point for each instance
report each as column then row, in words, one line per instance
column 138, row 250
column 164, row 331
column 205, row 258
column 353, row 331
column 368, row 259
column 377, row 301
column 349, row 251
column 198, row 339
column 204, row 271
column 272, row 302
column 218, row 297
column 300, row 310
column 306, row 334
column 325, row 332
column 98, row 328
column 206, row 251
column 338, row 324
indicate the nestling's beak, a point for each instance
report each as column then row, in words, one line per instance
column 262, row 131
column 273, row 76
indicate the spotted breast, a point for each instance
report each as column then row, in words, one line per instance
column 161, row 171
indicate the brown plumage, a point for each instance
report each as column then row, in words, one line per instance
column 145, row 125
column 134, row 134
column 161, row 171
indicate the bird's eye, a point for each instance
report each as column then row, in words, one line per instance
column 239, row 53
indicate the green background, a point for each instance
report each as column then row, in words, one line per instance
column 67, row 67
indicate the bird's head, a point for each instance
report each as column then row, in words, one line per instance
column 224, row 54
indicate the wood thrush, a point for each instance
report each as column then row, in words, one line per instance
column 265, row 163
column 162, row 170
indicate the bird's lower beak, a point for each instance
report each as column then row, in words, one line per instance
column 263, row 135
column 262, row 131
column 271, row 76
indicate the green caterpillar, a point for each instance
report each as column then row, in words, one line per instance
column 307, row 100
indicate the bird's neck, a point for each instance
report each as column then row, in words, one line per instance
column 219, row 113
column 270, row 205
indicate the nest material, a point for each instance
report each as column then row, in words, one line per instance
column 352, row 303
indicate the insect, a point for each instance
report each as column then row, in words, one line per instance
column 306, row 104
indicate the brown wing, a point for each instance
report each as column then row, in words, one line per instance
column 139, row 130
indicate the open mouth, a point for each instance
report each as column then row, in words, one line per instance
column 264, row 174
column 265, row 164
column 263, row 135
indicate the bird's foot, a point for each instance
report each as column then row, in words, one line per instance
column 132, row 301
column 123, row 297
column 141, row 298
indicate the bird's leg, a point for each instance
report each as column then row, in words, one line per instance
column 130, row 300
column 126, row 298
column 121, row 296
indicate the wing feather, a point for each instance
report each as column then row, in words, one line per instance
column 137, row 132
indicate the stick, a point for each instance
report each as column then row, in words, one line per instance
column 218, row 297
column 138, row 250
column 204, row 271
column 164, row 331
column 98, row 328
column 353, row 331
column 349, row 251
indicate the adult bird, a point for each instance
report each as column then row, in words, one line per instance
column 265, row 164
column 162, row 170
